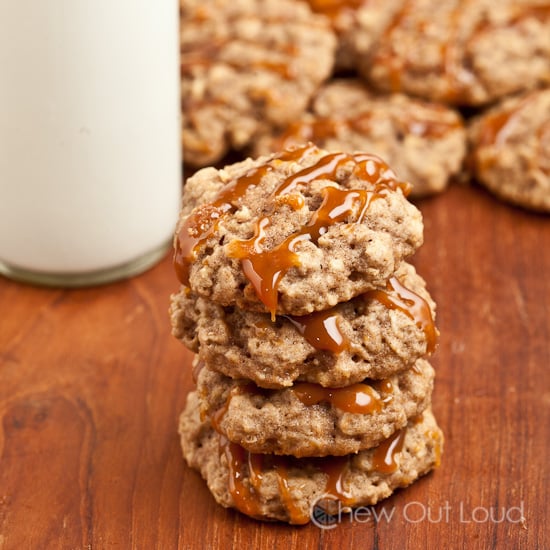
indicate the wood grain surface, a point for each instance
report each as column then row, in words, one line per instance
column 91, row 384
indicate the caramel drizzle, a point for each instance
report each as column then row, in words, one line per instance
column 411, row 304
column 320, row 129
column 456, row 74
column 336, row 468
column 496, row 127
column 394, row 64
column 457, row 77
column 356, row 399
column 212, row 51
column 203, row 222
column 384, row 456
column 246, row 496
column 321, row 330
column 333, row 9
column 296, row 515
column 217, row 418
column 265, row 268
column 359, row 398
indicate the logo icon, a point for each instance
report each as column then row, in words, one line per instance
column 325, row 512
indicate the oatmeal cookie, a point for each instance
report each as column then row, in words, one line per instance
column 423, row 142
column 291, row 489
column 463, row 52
column 294, row 232
column 511, row 150
column 247, row 64
column 309, row 420
column 357, row 23
column 374, row 335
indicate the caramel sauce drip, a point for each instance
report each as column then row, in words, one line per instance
column 217, row 418
column 384, row 456
column 356, row 399
column 256, row 465
column 385, row 389
column 455, row 67
column 494, row 127
column 455, row 74
column 430, row 126
column 367, row 166
column 197, row 228
column 333, row 9
column 316, row 130
column 325, row 168
column 411, row 304
column 541, row 12
column 321, row 330
column 321, row 129
column 394, row 64
column 263, row 267
column 336, row 468
column 454, row 70
column 246, row 495
column 295, row 514
column 206, row 54
column 203, row 222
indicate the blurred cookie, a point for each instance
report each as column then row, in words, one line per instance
column 374, row 335
column 245, row 64
column 511, row 150
column 294, row 489
column 463, row 52
column 357, row 23
column 423, row 142
column 309, row 420
column 294, row 232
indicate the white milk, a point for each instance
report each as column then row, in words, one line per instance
column 90, row 163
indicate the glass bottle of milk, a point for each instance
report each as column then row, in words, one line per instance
column 90, row 146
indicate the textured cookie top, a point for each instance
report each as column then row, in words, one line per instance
column 294, row 232
column 244, row 64
column 463, row 52
column 357, row 23
column 374, row 335
column 309, row 420
column 423, row 142
column 511, row 150
column 290, row 489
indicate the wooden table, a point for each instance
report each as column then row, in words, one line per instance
column 91, row 384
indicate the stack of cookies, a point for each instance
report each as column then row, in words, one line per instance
column 310, row 330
